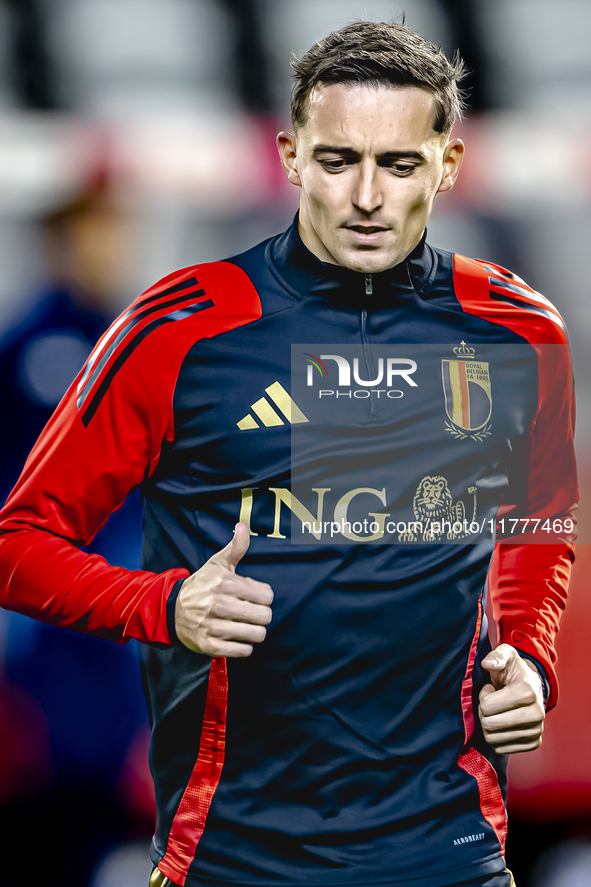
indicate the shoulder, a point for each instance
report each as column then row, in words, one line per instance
column 496, row 294
column 146, row 344
column 223, row 282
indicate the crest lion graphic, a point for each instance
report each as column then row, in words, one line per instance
column 435, row 512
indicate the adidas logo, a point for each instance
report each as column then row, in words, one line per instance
column 268, row 415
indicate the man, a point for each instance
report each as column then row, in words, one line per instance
column 345, row 749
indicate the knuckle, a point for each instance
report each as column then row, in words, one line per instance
column 264, row 591
column 216, row 628
column 216, row 608
column 220, row 608
column 485, row 705
column 212, row 647
column 217, row 580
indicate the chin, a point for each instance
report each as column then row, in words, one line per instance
column 367, row 262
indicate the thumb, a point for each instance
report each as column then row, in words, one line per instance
column 236, row 548
column 498, row 663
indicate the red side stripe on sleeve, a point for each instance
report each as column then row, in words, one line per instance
column 472, row 762
column 491, row 800
column 189, row 820
column 468, row 682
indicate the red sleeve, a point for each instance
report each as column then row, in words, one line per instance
column 528, row 586
column 104, row 438
column 530, row 571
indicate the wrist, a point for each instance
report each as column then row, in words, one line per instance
column 538, row 668
column 171, row 612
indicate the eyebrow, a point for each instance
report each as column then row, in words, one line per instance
column 351, row 152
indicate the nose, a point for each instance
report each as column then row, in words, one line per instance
column 367, row 195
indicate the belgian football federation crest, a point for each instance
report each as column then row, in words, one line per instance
column 468, row 399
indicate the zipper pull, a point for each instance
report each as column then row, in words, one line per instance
column 369, row 285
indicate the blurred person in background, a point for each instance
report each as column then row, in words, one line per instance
column 42, row 352
column 348, row 757
column 67, row 740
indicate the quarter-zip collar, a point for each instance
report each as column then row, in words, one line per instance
column 307, row 275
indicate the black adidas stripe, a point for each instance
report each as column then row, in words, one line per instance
column 512, row 287
column 132, row 345
column 183, row 285
column 537, row 309
column 177, row 288
column 97, row 369
column 497, row 271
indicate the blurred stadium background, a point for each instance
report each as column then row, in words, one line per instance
column 137, row 136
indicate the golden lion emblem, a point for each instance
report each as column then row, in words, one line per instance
column 436, row 514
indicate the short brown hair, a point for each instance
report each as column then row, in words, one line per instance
column 379, row 53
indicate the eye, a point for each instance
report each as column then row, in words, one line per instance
column 403, row 168
column 334, row 165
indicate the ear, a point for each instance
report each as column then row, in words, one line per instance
column 452, row 160
column 286, row 144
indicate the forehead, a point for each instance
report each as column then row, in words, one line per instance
column 358, row 115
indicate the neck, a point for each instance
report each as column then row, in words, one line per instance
column 306, row 274
column 312, row 242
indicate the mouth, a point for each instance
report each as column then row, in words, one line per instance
column 366, row 230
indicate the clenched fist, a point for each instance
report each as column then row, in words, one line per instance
column 512, row 706
column 219, row 612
